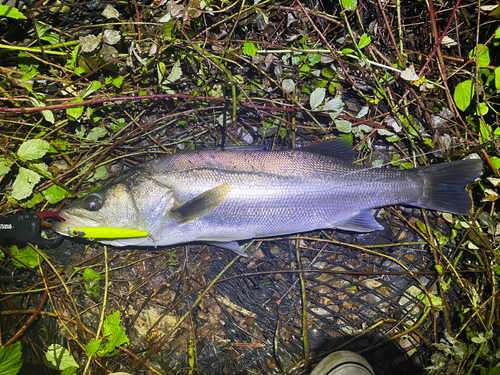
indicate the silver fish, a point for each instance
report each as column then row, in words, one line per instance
column 220, row 197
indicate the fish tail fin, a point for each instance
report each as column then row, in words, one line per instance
column 445, row 185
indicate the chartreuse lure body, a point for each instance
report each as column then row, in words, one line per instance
column 107, row 232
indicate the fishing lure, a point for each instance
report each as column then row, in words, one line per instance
column 107, row 232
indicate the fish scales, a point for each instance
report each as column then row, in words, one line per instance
column 224, row 196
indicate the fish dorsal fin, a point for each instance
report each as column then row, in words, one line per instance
column 338, row 148
column 361, row 222
column 201, row 205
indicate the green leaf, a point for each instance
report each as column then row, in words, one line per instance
column 35, row 199
column 54, row 194
column 349, row 4
column 97, row 133
column 33, row 149
column 94, row 86
column 317, row 97
column 327, row 73
column 75, row 112
column 334, row 105
column 48, row 116
column 32, row 72
column 89, row 274
column 439, row 269
column 496, row 269
column 343, row 126
column 436, row 300
column 494, row 371
column 478, row 339
column 97, row 174
column 347, row 51
column 92, row 285
column 11, row 12
column 5, row 165
column 250, row 49
column 495, row 160
column 497, row 78
column 364, row 41
column 288, row 85
column 175, row 74
column 27, row 255
column 482, row 109
column 483, row 58
column 464, row 92
column 115, row 335
column 10, row 359
column 92, row 347
column 24, row 183
column 313, row 58
column 69, row 371
column 59, row 358
column 117, row 82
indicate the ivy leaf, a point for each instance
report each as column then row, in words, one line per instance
column 59, row 358
column 11, row 12
column 33, row 149
column 10, row 359
column 464, row 92
column 24, row 183
column 317, row 97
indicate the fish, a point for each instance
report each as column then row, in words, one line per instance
column 222, row 197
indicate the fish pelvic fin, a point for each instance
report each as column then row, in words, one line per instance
column 361, row 222
column 201, row 205
column 233, row 246
column 444, row 185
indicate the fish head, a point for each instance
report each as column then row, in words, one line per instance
column 135, row 200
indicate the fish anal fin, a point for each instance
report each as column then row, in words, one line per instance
column 338, row 148
column 201, row 205
column 361, row 222
column 233, row 246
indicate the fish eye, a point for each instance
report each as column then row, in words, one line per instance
column 93, row 202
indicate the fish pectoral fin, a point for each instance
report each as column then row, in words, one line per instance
column 233, row 246
column 361, row 222
column 201, row 205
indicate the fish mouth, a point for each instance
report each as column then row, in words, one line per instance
column 71, row 222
